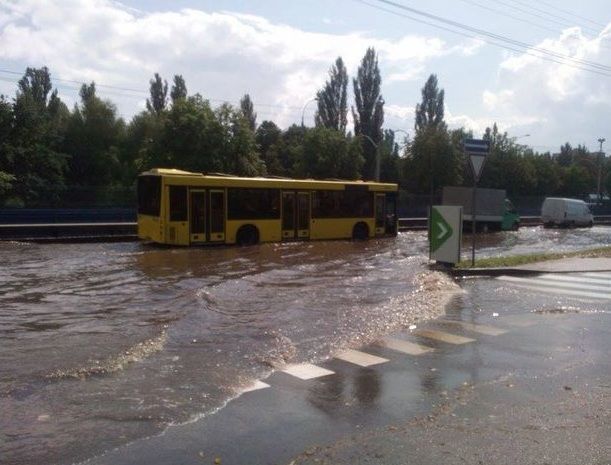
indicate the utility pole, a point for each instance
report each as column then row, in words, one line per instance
column 377, row 147
column 600, row 164
column 315, row 99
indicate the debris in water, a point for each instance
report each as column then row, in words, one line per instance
column 495, row 314
column 43, row 417
column 412, row 327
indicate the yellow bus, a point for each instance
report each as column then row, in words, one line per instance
column 182, row 208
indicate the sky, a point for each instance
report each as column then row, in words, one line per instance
column 280, row 52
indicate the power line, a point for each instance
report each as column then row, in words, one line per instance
column 567, row 21
column 573, row 14
column 584, row 65
column 517, row 18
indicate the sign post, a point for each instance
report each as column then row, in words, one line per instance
column 477, row 150
column 445, row 233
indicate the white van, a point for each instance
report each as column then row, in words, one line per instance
column 565, row 213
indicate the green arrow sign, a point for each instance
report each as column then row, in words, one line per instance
column 441, row 231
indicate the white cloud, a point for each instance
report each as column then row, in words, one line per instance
column 555, row 102
column 222, row 55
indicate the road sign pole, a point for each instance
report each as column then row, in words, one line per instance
column 477, row 150
column 473, row 225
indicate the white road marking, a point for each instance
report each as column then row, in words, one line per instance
column 306, row 371
column 482, row 329
column 605, row 283
column 575, row 283
column 553, row 288
column 444, row 337
column 406, row 347
column 359, row 358
column 606, row 276
column 257, row 385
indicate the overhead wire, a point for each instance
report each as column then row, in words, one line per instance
column 542, row 53
column 523, row 20
column 573, row 14
column 568, row 21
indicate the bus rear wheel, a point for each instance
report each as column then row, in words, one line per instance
column 247, row 235
column 360, row 232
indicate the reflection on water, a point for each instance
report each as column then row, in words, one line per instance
column 103, row 343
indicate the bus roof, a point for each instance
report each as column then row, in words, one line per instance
column 218, row 178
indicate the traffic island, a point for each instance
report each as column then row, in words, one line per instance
column 590, row 260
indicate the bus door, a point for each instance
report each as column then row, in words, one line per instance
column 295, row 215
column 380, row 214
column 217, row 215
column 303, row 215
column 198, row 216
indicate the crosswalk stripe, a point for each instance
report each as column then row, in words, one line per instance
column 257, row 385
column 443, row 336
column 569, row 293
column 406, row 347
column 359, row 358
column 554, row 282
column 306, row 371
column 482, row 329
column 604, row 283
column 554, row 288
column 599, row 275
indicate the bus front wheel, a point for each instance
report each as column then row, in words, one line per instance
column 360, row 232
column 247, row 235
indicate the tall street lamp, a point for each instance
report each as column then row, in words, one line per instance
column 377, row 174
column 315, row 99
column 600, row 163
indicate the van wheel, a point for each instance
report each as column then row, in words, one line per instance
column 548, row 225
column 247, row 235
column 515, row 226
column 360, row 232
column 590, row 224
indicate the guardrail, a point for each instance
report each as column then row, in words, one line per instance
column 419, row 224
column 73, row 232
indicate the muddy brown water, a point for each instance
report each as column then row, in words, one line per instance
column 101, row 344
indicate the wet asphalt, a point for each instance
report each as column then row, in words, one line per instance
column 515, row 374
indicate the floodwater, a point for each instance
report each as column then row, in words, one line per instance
column 101, row 344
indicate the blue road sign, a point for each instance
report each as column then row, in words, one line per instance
column 477, row 146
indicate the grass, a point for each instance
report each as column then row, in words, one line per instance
column 515, row 260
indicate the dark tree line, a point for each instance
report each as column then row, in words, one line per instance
column 53, row 155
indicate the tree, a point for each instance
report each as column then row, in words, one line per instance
column 267, row 136
column 332, row 99
column 369, row 114
column 179, row 89
column 31, row 151
column 327, row 153
column 248, row 111
column 565, row 157
column 436, row 158
column 93, row 142
column 159, row 95
column 430, row 112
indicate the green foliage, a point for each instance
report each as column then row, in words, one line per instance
column 430, row 112
column 327, row 153
column 159, row 95
column 248, row 112
column 179, row 89
column 94, row 136
column 332, row 99
column 369, row 114
column 50, row 155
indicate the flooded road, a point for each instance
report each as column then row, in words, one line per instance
column 101, row 344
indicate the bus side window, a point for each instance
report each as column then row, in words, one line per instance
column 178, row 203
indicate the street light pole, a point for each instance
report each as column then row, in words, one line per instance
column 377, row 174
column 315, row 99
column 600, row 163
